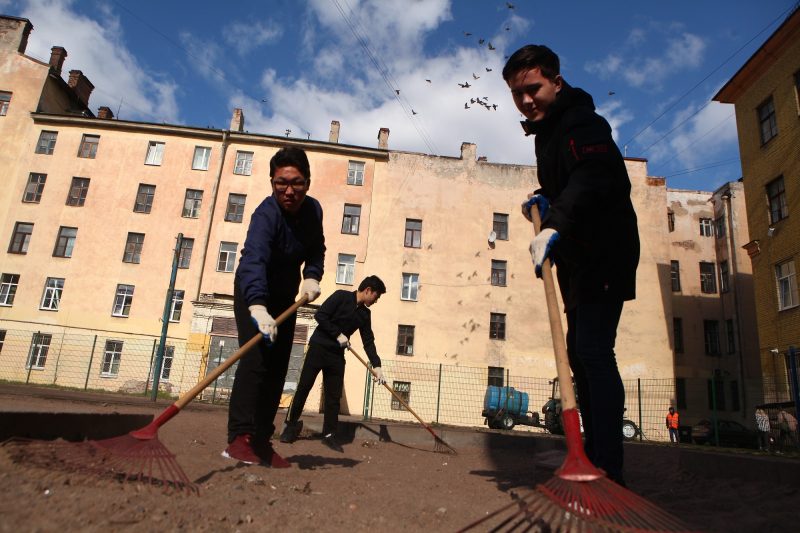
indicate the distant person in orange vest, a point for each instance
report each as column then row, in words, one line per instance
column 672, row 425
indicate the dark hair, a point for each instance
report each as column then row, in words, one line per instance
column 533, row 56
column 290, row 156
column 374, row 283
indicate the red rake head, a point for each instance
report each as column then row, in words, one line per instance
column 576, row 466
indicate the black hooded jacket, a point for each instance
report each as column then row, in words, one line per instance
column 582, row 173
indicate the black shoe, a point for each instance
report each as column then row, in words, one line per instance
column 291, row 432
column 330, row 441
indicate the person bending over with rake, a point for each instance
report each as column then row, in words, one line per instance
column 589, row 231
column 338, row 318
column 285, row 232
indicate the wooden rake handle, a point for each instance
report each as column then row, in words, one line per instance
column 556, row 328
column 184, row 400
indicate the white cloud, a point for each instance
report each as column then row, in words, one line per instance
column 97, row 47
column 616, row 115
column 247, row 36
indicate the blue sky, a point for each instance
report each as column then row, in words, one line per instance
column 652, row 68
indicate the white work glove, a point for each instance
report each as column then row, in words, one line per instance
column 344, row 342
column 264, row 322
column 310, row 288
column 540, row 248
column 538, row 200
column 378, row 376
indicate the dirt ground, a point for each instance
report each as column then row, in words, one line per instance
column 400, row 485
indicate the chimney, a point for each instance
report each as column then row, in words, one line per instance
column 81, row 86
column 482, row 158
column 14, row 32
column 237, row 120
column 57, row 57
column 105, row 112
column 334, row 134
column 468, row 151
column 383, row 138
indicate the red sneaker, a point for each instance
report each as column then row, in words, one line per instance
column 270, row 457
column 241, row 449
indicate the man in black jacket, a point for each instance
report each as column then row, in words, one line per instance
column 285, row 232
column 338, row 317
column 589, row 230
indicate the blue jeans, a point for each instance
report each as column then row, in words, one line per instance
column 591, row 335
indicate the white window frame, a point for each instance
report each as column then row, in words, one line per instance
column 155, row 153
column 409, row 289
column 706, row 227
column 345, row 269
column 112, row 357
column 51, row 297
column 37, row 355
column 351, row 219
column 201, row 158
column 123, row 300
column 786, row 285
column 166, row 363
column 355, row 172
column 227, row 256
column 243, row 165
column 176, row 305
column 9, row 283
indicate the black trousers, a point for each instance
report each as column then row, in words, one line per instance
column 591, row 335
column 261, row 373
column 331, row 363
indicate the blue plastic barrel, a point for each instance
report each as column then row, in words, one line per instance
column 505, row 398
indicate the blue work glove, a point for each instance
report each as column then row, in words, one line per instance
column 540, row 248
column 539, row 201
column 264, row 322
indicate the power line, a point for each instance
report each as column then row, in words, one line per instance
column 704, row 167
column 693, row 142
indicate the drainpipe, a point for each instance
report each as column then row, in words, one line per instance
column 730, row 243
column 214, row 194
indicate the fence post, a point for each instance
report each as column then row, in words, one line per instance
column 793, row 378
column 89, row 368
column 439, row 393
column 30, row 356
column 639, row 395
column 367, row 391
column 150, row 368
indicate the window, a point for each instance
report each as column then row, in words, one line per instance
column 34, row 188
column 730, row 334
column 47, row 142
column 670, row 221
column 52, row 294
column 680, row 392
column 787, row 285
column 78, row 191
column 497, row 326
column 724, row 277
column 176, row 306
column 716, row 396
column 111, row 359
column 202, row 156
column 155, row 153
column 403, row 390
column 123, row 301
column 410, row 287
column 677, row 334
column 5, row 99
column 500, row 226
column 2, row 339
column 355, row 173
column 235, row 210
column 20, row 238
column 88, row 146
column 65, row 242
column 706, row 227
column 191, row 204
column 719, row 227
column 345, row 269
column 413, row 233
column 185, row 254
column 8, row 288
column 711, row 336
column 776, row 193
column 675, row 275
column 405, row 340
column 133, row 248
column 351, row 218
column 40, row 345
column 766, row 120
column 496, row 376
column 499, row 273
column 708, row 282
column 243, row 164
column 166, row 365
column 144, row 198
column 227, row 256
